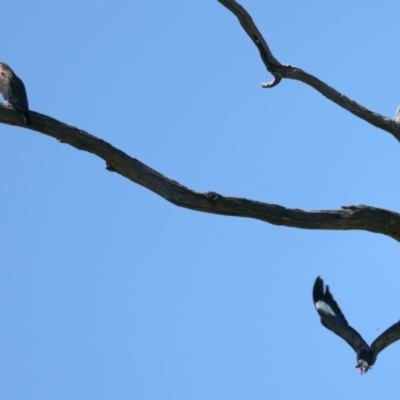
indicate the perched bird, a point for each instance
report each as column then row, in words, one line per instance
column 13, row 91
column 333, row 319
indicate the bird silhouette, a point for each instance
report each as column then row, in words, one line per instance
column 333, row 319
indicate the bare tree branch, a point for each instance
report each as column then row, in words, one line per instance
column 281, row 71
column 348, row 218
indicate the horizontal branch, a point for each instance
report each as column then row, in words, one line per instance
column 366, row 218
column 281, row 71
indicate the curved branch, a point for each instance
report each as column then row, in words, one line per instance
column 366, row 218
column 281, row 71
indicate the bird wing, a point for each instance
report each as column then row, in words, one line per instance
column 386, row 338
column 17, row 94
column 333, row 319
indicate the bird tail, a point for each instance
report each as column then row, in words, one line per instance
column 27, row 118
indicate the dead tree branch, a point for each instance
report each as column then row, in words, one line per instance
column 281, row 71
column 366, row 218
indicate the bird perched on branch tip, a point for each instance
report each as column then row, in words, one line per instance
column 13, row 91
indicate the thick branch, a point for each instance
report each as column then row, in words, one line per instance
column 281, row 71
column 348, row 218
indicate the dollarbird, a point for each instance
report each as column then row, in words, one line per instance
column 333, row 319
column 13, row 91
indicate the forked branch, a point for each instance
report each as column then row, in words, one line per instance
column 281, row 71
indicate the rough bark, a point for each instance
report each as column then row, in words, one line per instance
column 348, row 218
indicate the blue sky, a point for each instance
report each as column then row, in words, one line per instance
column 107, row 291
